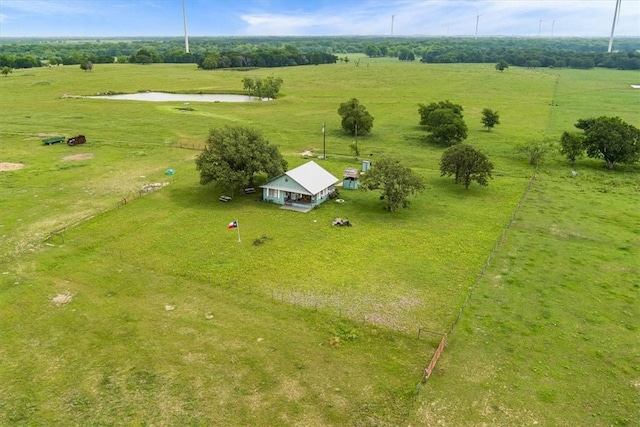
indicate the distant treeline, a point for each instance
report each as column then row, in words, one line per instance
column 232, row 52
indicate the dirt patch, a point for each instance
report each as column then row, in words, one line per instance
column 41, row 136
column 81, row 156
column 5, row 167
column 62, row 299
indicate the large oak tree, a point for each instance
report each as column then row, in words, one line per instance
column 611, row 139
column 395, row 181
column 444, row 122
column 234, row 154
column 466, row 164
column 355, row 118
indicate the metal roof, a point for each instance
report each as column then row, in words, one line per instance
column 310, row 176
column 313, row 177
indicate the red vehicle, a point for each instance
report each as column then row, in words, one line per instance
column 77, row 140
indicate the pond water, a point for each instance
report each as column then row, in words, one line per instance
column 181, row 97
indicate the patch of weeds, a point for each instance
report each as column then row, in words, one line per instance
column 67, row 166
column 547, row 396
column 345, row 332
column 143, row 379
column 138, row 153
column 23, row 411
column 79, row 403
column 260, row 240
column 107, row 383
column 109, row 92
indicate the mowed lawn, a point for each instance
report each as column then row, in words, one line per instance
column 168, row 319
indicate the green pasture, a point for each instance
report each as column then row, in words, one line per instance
column 170, row 320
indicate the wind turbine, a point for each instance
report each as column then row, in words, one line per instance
column 540, row 27
column 553, row 24
column 477, row 21
column 186, row 36
column 392, row 18
column 616, row 17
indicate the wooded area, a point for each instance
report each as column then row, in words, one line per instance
column 234, row 52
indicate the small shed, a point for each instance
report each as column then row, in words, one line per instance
column 301, row 188
column 351, row 179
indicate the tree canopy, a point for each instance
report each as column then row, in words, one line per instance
column 234, row 154
column 502, row 65
column 87, row 66
column 611, row 139
column 251, row 51
column 571, row 146
column 355, row 118
column 395, row 181
column 490, row 118
column 267, row 88
column 444, row 121
column 535, row 150
column 466, row 164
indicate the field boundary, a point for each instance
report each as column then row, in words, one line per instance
column 494, row 250
column 60, row 231
column 434, row 359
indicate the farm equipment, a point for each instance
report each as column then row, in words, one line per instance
column 76, row 140
column 53, row 140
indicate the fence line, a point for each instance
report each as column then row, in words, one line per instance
column 429, row 370
column 434, row 359
column 432, row 364
column 60, row 231
column 494, row 250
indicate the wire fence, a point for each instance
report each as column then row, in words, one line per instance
column 495, row 249
column 59, row 233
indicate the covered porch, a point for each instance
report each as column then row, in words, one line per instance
column 298, row 202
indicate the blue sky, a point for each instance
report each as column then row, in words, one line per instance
column 121, row 18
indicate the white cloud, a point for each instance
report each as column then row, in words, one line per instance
column 43, row 7
column 439, row 17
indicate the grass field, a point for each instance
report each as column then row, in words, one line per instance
column 150, row 312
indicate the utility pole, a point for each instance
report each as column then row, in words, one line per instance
column 357, row 153
column 324, row 141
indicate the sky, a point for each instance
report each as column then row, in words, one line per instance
column 147, row 18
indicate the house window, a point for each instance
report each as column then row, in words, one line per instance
column 273, row 193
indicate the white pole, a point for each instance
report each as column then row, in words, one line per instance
column 186, row 37
column 238, row 228
column 324, row 141
column 616, row 15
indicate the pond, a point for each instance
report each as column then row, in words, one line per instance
column 181, row 97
